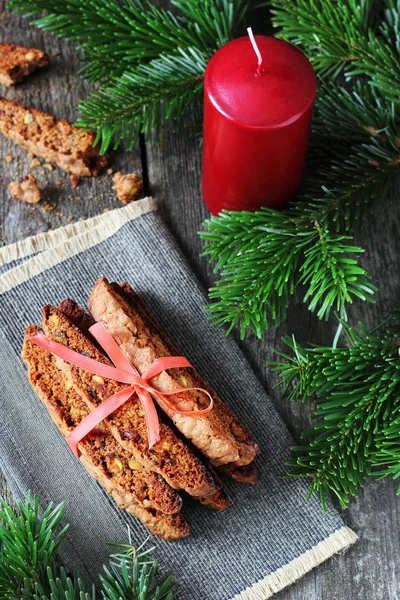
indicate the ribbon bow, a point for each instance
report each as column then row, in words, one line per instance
column 123, row 371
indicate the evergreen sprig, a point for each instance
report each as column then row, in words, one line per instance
column 141, row 101
column 356, row 428
column 30, row 568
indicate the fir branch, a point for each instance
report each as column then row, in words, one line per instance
column 264, row 256
column 217, row 21
column 113, row 35
column 150, row 61
column 133, row 571
column 356, row 392
column 144, row 99
column 30, row 568
column 346, row 37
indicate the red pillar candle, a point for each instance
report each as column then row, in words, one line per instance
column 257, row 121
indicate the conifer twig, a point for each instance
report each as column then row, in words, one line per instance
column 356, row 424
column 30, row 568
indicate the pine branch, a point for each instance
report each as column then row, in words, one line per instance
column 30, row 568
column 346, row 37
column 356, row 391
column 144, row 99
column 114, row 35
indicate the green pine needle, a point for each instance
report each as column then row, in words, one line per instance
column 356, row 427
column 144, row 99
column 30, row 568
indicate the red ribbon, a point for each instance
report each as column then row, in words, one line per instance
column 123, row 372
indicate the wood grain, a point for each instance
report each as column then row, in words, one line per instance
column 369, row 571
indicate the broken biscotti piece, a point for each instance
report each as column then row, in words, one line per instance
column 26, row 190
column 219, row 435
column 128, row 187
column 55, row 140
column 17, row 62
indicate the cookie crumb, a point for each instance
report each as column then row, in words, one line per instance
column 70, row 218
column 74, row 180
column 48, row 166
column 35, row 163
column 110, row 171
column 128, row 187
column 55, row 53
column 9, row 158
column 26, row 190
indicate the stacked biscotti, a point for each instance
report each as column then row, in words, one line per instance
column 146, row 482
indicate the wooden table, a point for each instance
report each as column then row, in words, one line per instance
column 171, row 170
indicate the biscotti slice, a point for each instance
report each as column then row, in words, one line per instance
column 218, row 501
column 169, row 527
column 111, row 463
column 55, row 140
column 248, row 447
column 170, row 457
column 246, row 474
column 218, row 434
column 17, row 62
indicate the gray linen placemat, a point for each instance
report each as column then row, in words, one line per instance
column 269, row 536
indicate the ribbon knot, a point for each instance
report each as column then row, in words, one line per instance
column 123, row 371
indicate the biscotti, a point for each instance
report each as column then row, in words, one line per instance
column 17, row 62
column 110, row 461
column 55, row 140
column 219, row 500
column 170, row 457
column 219, row 434
column 246, row 474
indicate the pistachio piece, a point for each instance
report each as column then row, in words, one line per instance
column 184, row 380
column 119, row 466
column 133, row 465
column 75, row 412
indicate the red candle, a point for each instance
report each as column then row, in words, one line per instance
column 257, row 117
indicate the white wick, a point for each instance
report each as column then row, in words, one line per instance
column 256, row 50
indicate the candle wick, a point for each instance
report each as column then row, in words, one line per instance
column 256, row 50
